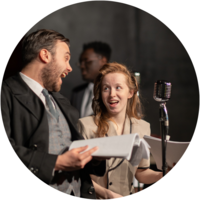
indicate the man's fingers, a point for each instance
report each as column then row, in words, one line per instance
column 76, row 159
column 86, row 160
column 86, row 156
column 88, row 153
column 80, row 149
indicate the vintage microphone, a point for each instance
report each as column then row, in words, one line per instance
column 162, row 94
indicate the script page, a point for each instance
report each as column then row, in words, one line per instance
column 174, row 150
column 114, row 146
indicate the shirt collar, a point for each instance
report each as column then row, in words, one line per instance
column 34, row 85
column 90, row 86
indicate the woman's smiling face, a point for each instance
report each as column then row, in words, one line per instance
column 115, row 93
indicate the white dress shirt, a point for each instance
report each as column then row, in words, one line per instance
column 37, row 89
column 86, row 111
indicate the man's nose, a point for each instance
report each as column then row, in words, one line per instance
column 69, row 68
column 82, row 64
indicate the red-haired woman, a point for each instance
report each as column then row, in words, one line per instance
column 117, row 111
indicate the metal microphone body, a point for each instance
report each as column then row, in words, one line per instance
column 162, row 94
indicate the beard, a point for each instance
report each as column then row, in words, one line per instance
column 50, row 76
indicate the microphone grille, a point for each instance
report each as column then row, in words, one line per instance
column 162, row 91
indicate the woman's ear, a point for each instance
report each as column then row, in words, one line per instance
column 131, row 93
column 45, row 56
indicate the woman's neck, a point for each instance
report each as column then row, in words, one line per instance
column 119, row 119
column 119, row 123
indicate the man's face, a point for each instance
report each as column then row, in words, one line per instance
column 57, row 68
column 90, row 64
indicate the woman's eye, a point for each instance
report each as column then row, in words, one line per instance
column 105, row 89
column 118, row 87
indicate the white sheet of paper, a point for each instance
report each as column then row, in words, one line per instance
column 129, row 147
column 114, row 146
column 174, row 150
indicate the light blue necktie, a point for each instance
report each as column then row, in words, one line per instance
column 49, row 103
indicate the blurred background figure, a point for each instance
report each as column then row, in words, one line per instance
column 93, row 57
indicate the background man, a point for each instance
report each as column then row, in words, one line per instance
column 93, row 57
column 41, row 125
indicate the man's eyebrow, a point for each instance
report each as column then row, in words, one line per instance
column 68, row 53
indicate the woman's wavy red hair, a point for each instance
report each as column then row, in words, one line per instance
column 134, row 108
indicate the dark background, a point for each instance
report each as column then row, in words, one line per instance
column 139, row 41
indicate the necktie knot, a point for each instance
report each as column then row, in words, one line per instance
column 45, row 93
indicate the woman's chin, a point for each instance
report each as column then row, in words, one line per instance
column 113, row 113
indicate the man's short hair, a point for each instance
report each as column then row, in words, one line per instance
column 100, row 48
column 40, row 39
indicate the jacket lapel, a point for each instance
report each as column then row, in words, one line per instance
column 135, row 126
column 32, row 102
column 126, row 126
column 26, row 96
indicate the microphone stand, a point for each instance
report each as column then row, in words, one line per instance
column 164, row 128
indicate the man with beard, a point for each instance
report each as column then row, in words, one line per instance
column 41, row 123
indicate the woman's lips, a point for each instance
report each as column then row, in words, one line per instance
column 113, row 103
